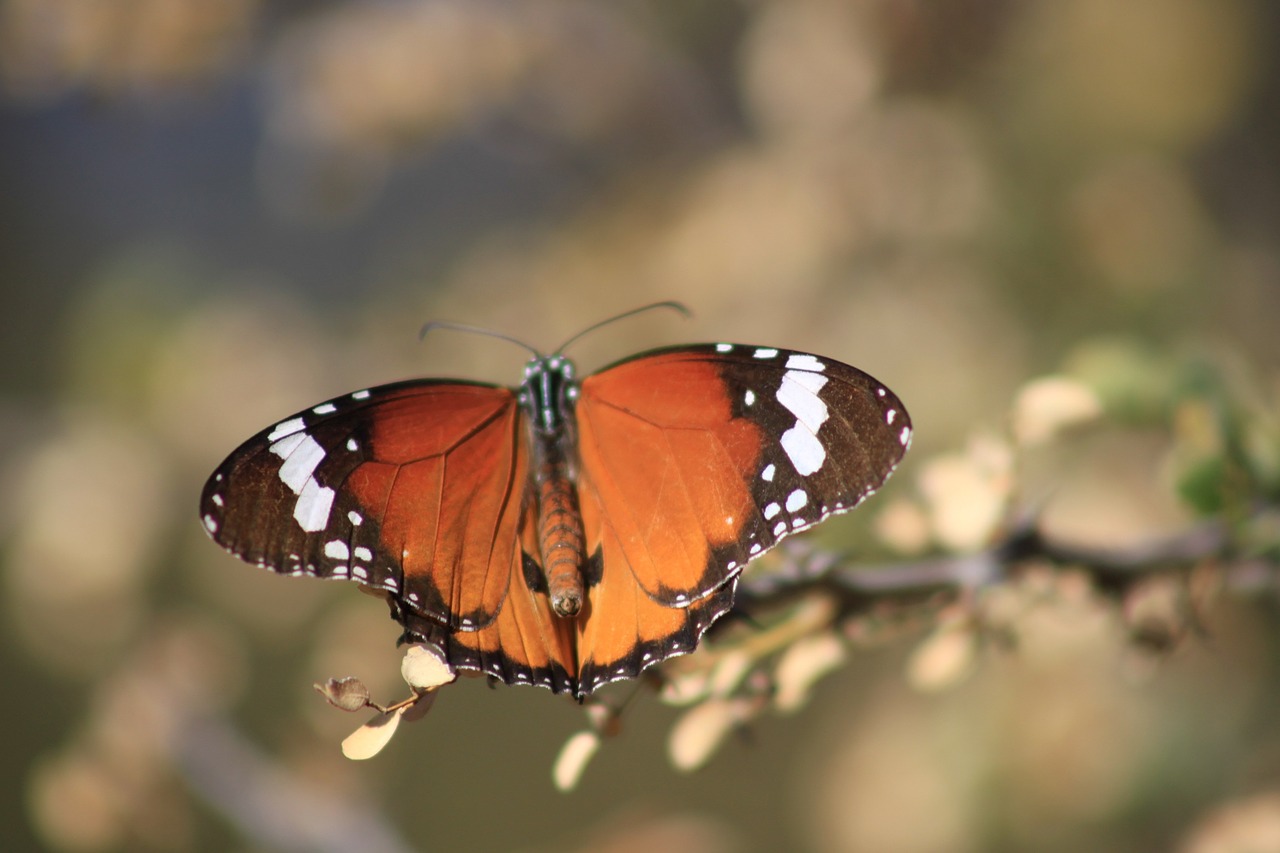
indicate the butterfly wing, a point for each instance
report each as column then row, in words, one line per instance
column 694, row 461
column 527, row 643
column 413, row 489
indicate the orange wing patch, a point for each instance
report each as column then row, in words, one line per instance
column 661, row 470
column 631, row 631
column 526, row 643
column 446, row 494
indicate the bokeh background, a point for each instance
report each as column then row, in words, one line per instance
column 215, row 214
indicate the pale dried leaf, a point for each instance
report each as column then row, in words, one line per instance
column 574, row 756
column 903, row 526
column 968, row 492
column 944, row 658
column 684, row 688
column 802, row 664
column 1047, row 406
column 425, row 668
column 696, row 736
column 728, row 672
column 368, row 740
column 349, row 694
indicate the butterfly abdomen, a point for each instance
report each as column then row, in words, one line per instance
column 561, row 539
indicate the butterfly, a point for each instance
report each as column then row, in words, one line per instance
column 566, row 532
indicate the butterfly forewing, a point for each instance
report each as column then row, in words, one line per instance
column 414, row 489
column 698, row 459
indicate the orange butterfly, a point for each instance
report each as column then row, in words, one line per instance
column 564, row 533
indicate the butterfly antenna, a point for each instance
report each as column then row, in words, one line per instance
column 463, row 327
column 675, row 306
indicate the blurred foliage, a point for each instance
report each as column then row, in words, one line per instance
column 1050, row 226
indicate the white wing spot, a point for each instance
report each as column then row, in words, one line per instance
column 803, row 449
column 338, row 571
column 768, row 472
column 301, row 463
column 287, row 445
column 325, row 409
column 779, row 527
column 771, row 510
column 355, row 518
column 217, row 500
column 285, row 428
column 906, row 436
column 764, row 352
column 353, row 445
column 756, row 549
column 805, row 362
column 336, row 549
column 889, row 415
column 360, row 573
column 796, row 500
column 733, row 564
column 799, row 394
column 798, row 522
column 360, row 395
column 880, row 392
column 211, row 524
column 312, row 510
column 363, row 553
column 404, row 555
column 749, row 398
column 724, row 347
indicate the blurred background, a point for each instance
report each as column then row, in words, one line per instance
column 215, row 214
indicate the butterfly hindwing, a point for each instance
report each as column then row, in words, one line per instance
column 527, row 643
column 627, row 631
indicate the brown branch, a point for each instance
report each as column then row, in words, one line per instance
column 1113, row 569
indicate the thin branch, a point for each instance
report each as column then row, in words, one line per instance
column 858, row 586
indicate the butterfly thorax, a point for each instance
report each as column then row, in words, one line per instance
column 547, row 396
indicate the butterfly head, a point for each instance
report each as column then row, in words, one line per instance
column 548, row 392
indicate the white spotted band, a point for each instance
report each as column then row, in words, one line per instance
column 300, row 456
column 786, row 504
